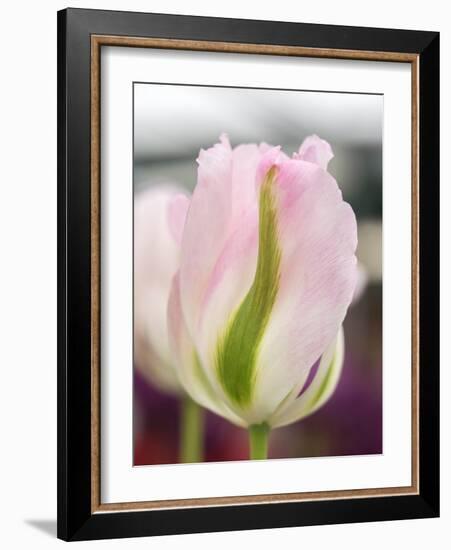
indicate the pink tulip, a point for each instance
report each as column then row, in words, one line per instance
column 267, row 272
column 159, row 217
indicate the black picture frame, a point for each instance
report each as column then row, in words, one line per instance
column 76, row 520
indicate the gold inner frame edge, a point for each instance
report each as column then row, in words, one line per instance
column 97, row 41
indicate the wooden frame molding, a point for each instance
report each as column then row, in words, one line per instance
column 97, row 41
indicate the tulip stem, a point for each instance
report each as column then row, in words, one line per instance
column 258, row 441
column 191, row 431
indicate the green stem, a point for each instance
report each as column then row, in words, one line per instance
column 191, row 431
column 258, row 441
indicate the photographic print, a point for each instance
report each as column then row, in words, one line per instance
column 257, row 273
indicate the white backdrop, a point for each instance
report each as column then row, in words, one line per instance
column 28, row 274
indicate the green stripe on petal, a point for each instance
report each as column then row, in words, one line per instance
column 237, row 349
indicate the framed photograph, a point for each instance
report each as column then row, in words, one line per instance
column 248, row 274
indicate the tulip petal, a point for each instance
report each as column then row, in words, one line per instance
column 189, row 369
column 177, row 210
column 237, row 349
column 220, row 241
column 316, row 150
column 264, row 294
column 321, row 388
column 245, row 160
column 206, row 227
column 156, row 258
column 317, row 234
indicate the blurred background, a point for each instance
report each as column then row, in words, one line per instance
column 171, row 124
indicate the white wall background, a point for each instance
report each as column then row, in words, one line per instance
column 28, row 272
